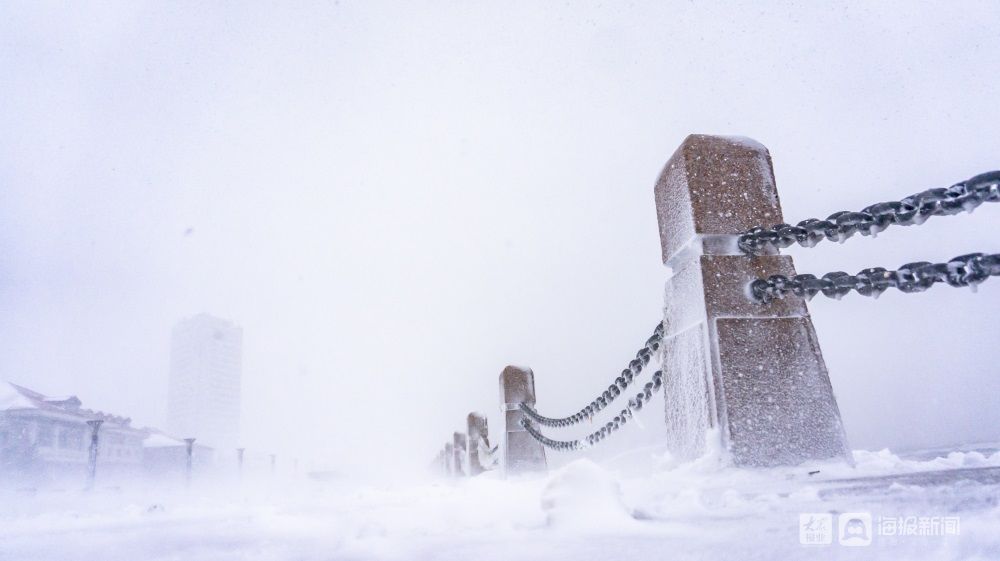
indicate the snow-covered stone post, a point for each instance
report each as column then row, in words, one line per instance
column 460, row 444
column 478, row 433
column 449, row 458
column 521, row 452
column 753, row 371
column 441, row 463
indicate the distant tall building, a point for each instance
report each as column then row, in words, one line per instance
column 205, row 369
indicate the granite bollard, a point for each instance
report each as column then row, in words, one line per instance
column 521, row 452
column 449, row 458
column 460, row 450
column 478, row 437
column 753, row 371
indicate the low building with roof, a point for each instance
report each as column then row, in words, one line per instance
column 46, row 438
column 164, row 454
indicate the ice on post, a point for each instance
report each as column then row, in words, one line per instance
column 521, row 452
column 753, row 370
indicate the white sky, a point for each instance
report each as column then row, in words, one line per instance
column 394, row 202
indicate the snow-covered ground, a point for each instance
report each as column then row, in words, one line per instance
column 637, row 507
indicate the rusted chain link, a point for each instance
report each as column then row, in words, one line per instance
column 915, row 209
column 626, row 414
column 965, row 270
column 622, row 382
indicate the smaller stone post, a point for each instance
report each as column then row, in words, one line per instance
column 460, row 450
column 478, row 438
column 95, row 426
column 521, row 452
column 449, row 458
column 437, row 464
column 187, row 461
column 274, row 460
column 239, row 459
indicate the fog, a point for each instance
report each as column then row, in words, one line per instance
column 394, row 202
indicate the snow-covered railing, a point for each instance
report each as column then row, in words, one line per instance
column 612, row 426
column 739, row 355
column 588, row 412
column 963, row 271
column 619, row 385
column 915, row 209
column 468, row 453
column 728, row 360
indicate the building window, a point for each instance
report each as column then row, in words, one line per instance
column 45, row 437
column 71, row 439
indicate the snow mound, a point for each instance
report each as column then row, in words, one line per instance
column 885, row 462
column 584, row 496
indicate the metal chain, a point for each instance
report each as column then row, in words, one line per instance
column 634, row 404
column 622, row 382
column 915, row 209
column 965, row 270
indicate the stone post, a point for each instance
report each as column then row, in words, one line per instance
column 95, row 426
column 521, row 452
column 461, row 444
column 478, row 436
column 438, row 465
column 753, row 371
column 187, row 465
column 449, row 458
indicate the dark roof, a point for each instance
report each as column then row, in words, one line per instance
column 67, row 405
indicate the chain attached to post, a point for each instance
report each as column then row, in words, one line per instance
column 622, row 382
column 915, row 209
column 488, row 457
column 612, row 426
column 965, row 270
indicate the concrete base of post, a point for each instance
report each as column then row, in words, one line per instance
column 521, row 452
